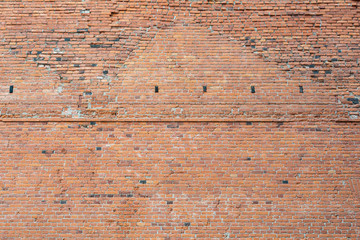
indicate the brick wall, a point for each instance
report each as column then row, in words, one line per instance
column 89, row 150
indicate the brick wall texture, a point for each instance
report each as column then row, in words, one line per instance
column 254, row 132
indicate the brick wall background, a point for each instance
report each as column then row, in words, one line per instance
column 88, row 150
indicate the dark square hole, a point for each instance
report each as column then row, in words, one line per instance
column 156, row 89
column 301, row 89
column 252, row 89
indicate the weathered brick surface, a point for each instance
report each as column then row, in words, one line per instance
column 89, row 150
column 140, row 180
